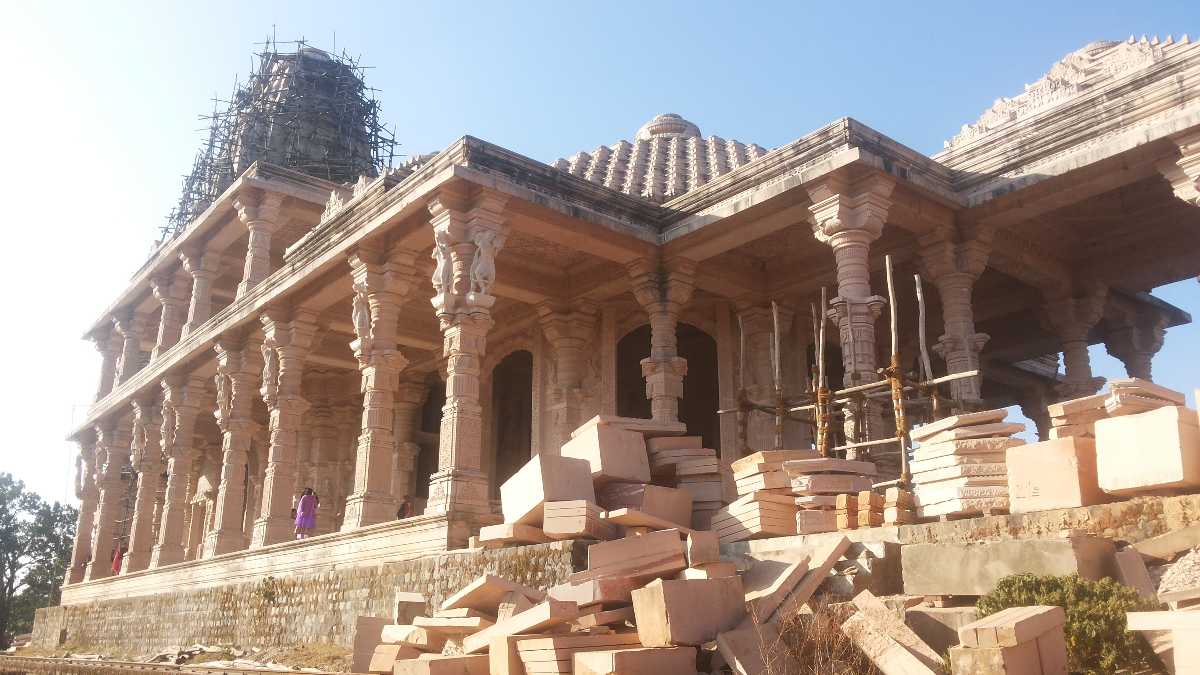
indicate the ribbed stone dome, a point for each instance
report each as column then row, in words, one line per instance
column 668, row 125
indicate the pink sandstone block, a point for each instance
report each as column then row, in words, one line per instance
column 769, row 457
column 996, row 660
column 486, row 593
column 954, row 421
column 1012, row 626
column 614, row 453
column 645, row 427
column 674, row 443
column 385, row 656
column 1055, row 474
column 367, row 630
column 545, row 478
column 668, row 503
column 1155, row 450
column 702, row 547
column 675, row 660
column 992, row 430
column 687, row 612
column 968, row 446
column 438, row 664
column 533, row 620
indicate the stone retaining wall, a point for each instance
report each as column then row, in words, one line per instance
column 296, row 609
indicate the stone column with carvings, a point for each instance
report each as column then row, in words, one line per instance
column 285, row 345
column 569, row 334
column 381, row 282
column 238, row 370
column 87, row 493
column 113, row 439
column 129, row 326
column 410, row 396
column 663, row 290
column 261, row 213
column 1134, row 336
column 467, row 238
column 954, row 266
column 204, row 268
column 182, row 400
column 172, row 298
column 110, row 346
column 1071, row 316
column 848, row 216
column 145, row 455
column 1033, row 402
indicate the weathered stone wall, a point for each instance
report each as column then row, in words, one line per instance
column 304, row 608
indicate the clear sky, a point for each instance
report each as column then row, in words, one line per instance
column 100, row 107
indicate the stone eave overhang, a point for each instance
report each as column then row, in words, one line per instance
column 1139, row 108
column 261, row 175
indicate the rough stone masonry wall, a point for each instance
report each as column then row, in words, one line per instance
column 312, row 608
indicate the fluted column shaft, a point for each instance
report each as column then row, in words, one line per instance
column 112, row 455
column 88, row 494
column 569, row 334
column 261, row 216
column 180, row 410
column 146, row 458
column 169, row 292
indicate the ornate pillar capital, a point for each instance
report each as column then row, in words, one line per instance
column 468, row 234
column 1071, row 316
column 1183, row 172
column 846, row 211
column 259, row 209
column 1135, row 334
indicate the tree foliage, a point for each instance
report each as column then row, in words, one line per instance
column 35, row 549
column 1097, row 641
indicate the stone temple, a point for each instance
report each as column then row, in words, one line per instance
column 424, row 332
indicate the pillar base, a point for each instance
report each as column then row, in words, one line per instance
column 368, row 509
column 269, row 531
column 162, row 556
column 220, row 543
column 458, row 491
column 135, row 562
column 97, row 570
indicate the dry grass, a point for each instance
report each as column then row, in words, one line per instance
column 330, row 658
column 814, row 644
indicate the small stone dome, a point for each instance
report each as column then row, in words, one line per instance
column 667, row 125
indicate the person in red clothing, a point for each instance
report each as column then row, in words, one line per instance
column 118, row 556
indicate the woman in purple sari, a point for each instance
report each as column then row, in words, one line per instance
column 306, row 513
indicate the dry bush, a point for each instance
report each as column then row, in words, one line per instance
column 814, row 644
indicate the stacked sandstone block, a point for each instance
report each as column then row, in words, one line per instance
column 959, row 468
column 765, row 506
column 647, row 603
column 1015, row 641
column 816, row 481
column 683, row 462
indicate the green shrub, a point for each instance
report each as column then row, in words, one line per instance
column 1097, row 641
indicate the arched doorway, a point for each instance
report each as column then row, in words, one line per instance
column 512, row 415
column 428, row 435
column 698, row 409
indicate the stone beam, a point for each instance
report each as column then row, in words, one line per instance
column 1183, row 171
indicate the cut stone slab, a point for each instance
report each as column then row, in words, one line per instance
column 610, row 617
column 636, row 518
column 513, row 603
column 701, row 548
column 1140, row 387
column 671, row 504
column 503, row 657
column 889, row 656
column 1156, row 450
column 803, row 467
column 687, row 612
column 544, row 478
column 487, row 592
column 969, row 446
column 774, row 480
column 575, row 519
column 452, row 627
column 612, row 452
column 887, row 622
column 976, row 487
column 772, row 456
column 815, row 521
column 647, row 428
column 674, row 443
column 608, row 591
column 925, row 431
column 1055, row 474
column 438, row 664
column 511, row 533
column 997, row 470
column 680, row 660
column 995, row 660
column 938, row 626
column 994, row 430
column 1076, row 406
column 385, row 656
column 533, row 620
column 752, row 650
column 367, row 630
column 413, row 636
column 819, row 484
column 824, row 556
column 1168, row 545
column 702, row 488
column 814, row 501
column 1131, row 571
column 713, row 570
column 408, row 606
column 945, row 461
column 769, row 582
column 1012, row 626
column 650, row 555
column 973, row 569
column 964, row 506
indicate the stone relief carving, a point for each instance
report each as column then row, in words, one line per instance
column 270, row 374
column 483, row 267
column 360, row 186
column 169, row 418
column 333, row 206
column 443, row 271
column 362, row 312
column 224, row 398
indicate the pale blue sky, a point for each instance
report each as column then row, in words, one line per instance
column 101, row 104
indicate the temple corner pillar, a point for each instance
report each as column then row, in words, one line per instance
column 568, row 332
column 261, row 213
column 663, row 289
column 1070, row 314
column 88, row 494
column 145, row 456
column 181, row 407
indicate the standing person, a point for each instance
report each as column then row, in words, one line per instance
column 118, row 557
column 406, row 508
column 306, row 513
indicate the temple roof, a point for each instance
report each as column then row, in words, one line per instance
column 667, row 158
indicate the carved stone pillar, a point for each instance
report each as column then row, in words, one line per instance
column 569, row 334
column 285, row 345
column 129, row 326
column 954, row 266
column 1033, row 406
column 112, row 455
column 1071, row 317
column 260, row 213
column 663, row 292
column 87, row 493
column 204, row 268
column 1183, row 172
column 380, row 286
column 849, row 216
column 145, row 456
column 410, row 396
column 182, row 396
column 172, row 297
column 110, row 347
column 467, row 239
column 1134, row 336
column 238, row 369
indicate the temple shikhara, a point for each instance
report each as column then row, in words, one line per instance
column 479, row 362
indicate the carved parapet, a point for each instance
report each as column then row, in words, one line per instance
column 1183, row 172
